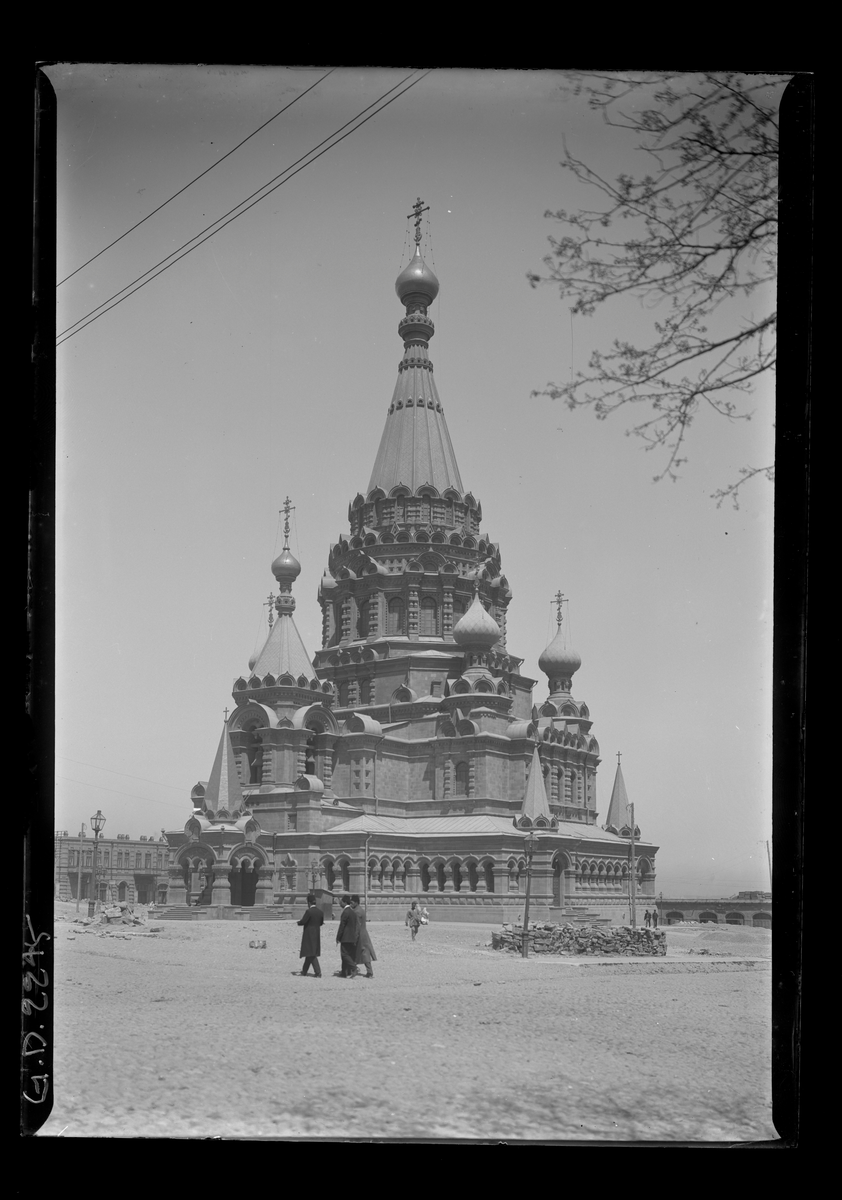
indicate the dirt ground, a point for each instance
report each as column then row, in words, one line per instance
column 190, row 1033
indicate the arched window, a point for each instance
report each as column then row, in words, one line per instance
column 253, row 755
column 310, row 754
column 396, row 625
column 362, row 620
column 429, row 617
column 460, row 783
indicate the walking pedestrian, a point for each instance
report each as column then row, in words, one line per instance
column 654, row 918
column 413, row 919
column 346, row 938
column 311, row 938
column 364, row 952
column 647, row 918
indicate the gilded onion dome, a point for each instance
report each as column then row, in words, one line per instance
column 476, row 628
column 417, row 281
column 286, row 566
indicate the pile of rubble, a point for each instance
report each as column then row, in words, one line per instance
column 575, row 939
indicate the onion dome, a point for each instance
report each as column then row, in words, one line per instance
column 417, row 281
column 559, row 663
column 476, row 628
column 286, row 566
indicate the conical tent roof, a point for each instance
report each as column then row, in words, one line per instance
column 284, row 652
column 535, row 802
column 224, row 789
column 415, row 448
column 619, row 813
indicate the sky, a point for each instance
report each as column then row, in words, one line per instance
column 262, row 365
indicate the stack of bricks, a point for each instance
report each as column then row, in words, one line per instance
column 573, row 939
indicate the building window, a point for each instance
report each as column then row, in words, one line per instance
column 396, row 625
column 428, row 625
column 460, row 785
column 107, row 858
column 137, row 861
column 362, row 620
column 88, row 857
column 148, row 862
column 292, row 820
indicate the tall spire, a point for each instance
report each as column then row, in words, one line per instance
column 415, row 448
column 283, row 652
column 619, row 812
column 535, row 798
column 224, row 790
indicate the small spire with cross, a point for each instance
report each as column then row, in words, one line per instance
column 270, row 601
column 225, row 716
column 558, row 600
column 417, row 209
column 619, row 755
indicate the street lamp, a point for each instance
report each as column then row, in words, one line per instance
column 97, row 824
column 529, row 844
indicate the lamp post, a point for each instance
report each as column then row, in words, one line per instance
column 633, row 876
column 97, row 824
column 529, row 846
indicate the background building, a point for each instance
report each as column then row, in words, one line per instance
column 408, row 758
column 746, row 908
column 130, row 869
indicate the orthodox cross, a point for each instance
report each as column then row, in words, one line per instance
column 270, row 600
column 288, row 508
column 417, row 210
column 559, row 600
column 226, row 714
column 619, row 752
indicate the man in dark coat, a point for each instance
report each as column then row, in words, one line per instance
column 346, row 938
column 364, row 953
column 311, row 938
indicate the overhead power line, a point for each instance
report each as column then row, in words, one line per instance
column 125, row 774
column 310, row 156
column 116, row 792
column 201, row 175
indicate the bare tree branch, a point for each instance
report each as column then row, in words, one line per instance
column 699, row 234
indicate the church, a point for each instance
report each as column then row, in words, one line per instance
column 408, row 758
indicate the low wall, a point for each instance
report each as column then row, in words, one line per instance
column 574, row 939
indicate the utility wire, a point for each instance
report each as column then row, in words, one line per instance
column 115, row 791
column 240, row 205
column 196, row 180
column 125, row 774
column 95, row 314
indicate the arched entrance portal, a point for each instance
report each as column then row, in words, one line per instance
column 561, row 865
column 243, row 879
